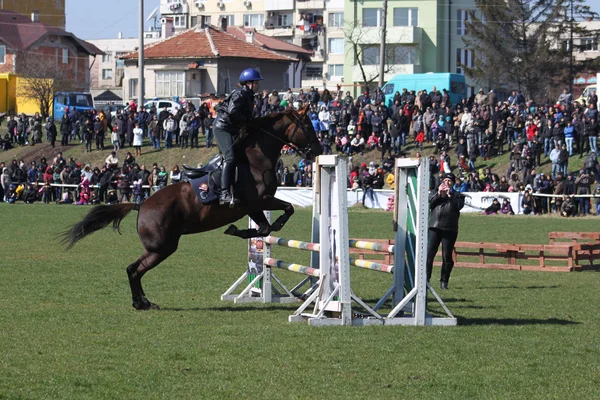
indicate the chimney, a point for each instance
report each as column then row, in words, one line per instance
column 120, row 35
column 224, row 24
column 250, row 35
column 167, row 27
column 35, row 16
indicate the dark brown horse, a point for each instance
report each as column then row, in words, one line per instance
column 175, row 210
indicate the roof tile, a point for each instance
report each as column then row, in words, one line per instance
column 196, row 43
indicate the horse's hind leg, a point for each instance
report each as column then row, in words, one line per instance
column 136, row 271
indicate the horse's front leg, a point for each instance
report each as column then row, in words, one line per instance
column 264, row 228
column 270, row 203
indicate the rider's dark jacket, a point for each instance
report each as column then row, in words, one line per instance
column 235, row 110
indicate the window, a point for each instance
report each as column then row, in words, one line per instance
column 180, row 21
column 461, row 17
column 589, row 45
column 254, row 20
column 120, row 63
column 406, row 16
column 336, row 46
column 372, row 17
column 170, row 83
column 284, row 20
column 463, row 57
column 230, row 19
column 403, row 55
column 336, row 20
column 2, row 54
column 388, row 89
column 65, row 56
column 106, row 58
column 336, row 70
column 314, row 72
column 107, row 74
column 133, row 88
column 370, row 55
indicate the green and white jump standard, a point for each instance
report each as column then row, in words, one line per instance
column 329, row 292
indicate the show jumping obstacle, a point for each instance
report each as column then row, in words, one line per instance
column 327, row 287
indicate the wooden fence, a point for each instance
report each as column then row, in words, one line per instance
column 566, row 251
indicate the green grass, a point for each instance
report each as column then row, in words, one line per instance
column 68, row 330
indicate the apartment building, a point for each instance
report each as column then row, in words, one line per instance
column 107, row 71
column 421, row 36
column 315, row 25
column 50, row 12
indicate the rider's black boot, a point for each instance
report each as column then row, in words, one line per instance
column 226, row 181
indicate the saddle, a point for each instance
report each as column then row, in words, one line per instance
column 213, row 164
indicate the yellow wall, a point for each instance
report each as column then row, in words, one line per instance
column 9, row 101
column 51, row 12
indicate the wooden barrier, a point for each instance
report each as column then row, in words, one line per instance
column 574, row 237
column 557, row 256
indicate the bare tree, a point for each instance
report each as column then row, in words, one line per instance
column 41, row 79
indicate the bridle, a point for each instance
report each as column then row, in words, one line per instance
column 297, row 120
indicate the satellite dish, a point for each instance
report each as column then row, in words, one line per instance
column 152, row 14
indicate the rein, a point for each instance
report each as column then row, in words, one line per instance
column 296, row 121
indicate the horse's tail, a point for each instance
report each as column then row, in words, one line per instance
column 98, row 218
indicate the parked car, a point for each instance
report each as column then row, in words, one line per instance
column 172, row 106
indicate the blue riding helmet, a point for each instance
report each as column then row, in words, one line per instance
column 250, row 74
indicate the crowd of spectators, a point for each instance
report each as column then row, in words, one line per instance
column 478, row 128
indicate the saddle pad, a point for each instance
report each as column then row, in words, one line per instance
column 204, row 192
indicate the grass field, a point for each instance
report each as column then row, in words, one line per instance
column 68, row 330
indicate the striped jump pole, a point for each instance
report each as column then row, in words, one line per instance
column 361, row 244
column 294, row 244
column 374, row 266
column 356, row 244
column 300, row 269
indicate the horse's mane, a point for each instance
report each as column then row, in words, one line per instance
column 259, row 122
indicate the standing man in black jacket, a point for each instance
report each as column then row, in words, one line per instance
column 65, row 129
column 445, row 205
column 233, row 112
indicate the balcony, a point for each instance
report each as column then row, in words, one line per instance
column 174, row 8
column 395, row 34
column 310, row 31
column 310, row 4
column 279, row 5
column 373, row 70
column 317, row 56
column 279, row 31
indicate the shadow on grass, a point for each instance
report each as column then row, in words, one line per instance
column 462, row 321
column 230, row 308
column 518, row 287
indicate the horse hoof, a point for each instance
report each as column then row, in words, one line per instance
column 232, row 230
column 144, row 306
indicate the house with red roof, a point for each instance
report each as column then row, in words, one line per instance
column 22, row 38
column 205, row 60
column 26, row 47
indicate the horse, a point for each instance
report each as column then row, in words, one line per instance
column 175, row 210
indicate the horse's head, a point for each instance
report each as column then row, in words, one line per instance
column 301, row 133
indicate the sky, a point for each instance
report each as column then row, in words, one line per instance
column 91, row 19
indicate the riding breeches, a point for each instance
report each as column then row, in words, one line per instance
column 225, row 140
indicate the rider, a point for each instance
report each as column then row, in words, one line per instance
column 233, row 112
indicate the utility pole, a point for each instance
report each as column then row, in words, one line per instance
column 571, row 77
column 141, row 57
column 382, row 58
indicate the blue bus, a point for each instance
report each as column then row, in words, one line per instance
column 454, row 83
column 62, row 100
